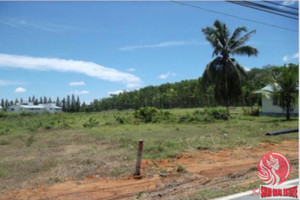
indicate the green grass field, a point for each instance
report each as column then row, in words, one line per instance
column 39, row 149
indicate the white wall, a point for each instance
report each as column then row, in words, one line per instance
column 269, row 108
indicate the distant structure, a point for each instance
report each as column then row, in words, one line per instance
column 30, row 107
column 271, row 106
column 1, row 108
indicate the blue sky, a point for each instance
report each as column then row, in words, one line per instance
column 91, row 49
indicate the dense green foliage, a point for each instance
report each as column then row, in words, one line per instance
column 186, row 94
column 285, row 86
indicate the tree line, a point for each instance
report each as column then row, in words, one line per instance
column 188, row 94
column 68, row 104
column 184, row 94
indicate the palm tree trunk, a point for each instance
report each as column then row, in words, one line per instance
column 226, row 81
column 288, row 111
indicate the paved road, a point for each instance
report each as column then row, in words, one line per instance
column 249, row 196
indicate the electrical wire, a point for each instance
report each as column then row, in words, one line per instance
column 271, row 8
column 234, row 16
column 245, row 4
column 278, row 4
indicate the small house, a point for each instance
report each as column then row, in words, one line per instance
column 271, row 106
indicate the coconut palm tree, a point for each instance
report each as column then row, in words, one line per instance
column 224, row 72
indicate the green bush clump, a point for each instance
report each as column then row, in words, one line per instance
column 151, row 114
column 217, row 113
column 208, row 114
column 92, row 122
column 121, row 119
column 146, row 114
column 3, row 114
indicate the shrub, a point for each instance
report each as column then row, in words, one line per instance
column 208, row 114
column 121, row 119
column 151, row 114
column 3, row 114
column 217, row 113
column 91, row 123
column 146, row 114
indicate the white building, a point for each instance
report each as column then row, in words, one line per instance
column 29, row 107
column 271, row 106
column 1, row 108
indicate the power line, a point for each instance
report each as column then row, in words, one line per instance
column 272, row 8
column 263, row 8
column 234, row 16
column 278, row 4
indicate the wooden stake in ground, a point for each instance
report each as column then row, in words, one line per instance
column 139, row 159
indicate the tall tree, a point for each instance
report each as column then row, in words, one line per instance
column 78, row 104
column 57, row 103
column 68, row 103
column 285, row 86
column 2, row 103
column 224, row 72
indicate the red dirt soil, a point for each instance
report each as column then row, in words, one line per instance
column 182, row 176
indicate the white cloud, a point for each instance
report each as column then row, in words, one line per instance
column 115, row 92
column 76, row 83
column 7, row 82
column 159, row 45
column 167, row 75
column 289, row 2
column 287, row 58
column 77, row 92
column 247, row 69
column 55, row 64
column 131, row 70
column 20, row 90
column 296, row 55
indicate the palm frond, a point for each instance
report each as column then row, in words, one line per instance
column 245, row 50
column 242, row 40
column 236, row 34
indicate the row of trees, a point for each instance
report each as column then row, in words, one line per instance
column 189, row 93
column 68, row 104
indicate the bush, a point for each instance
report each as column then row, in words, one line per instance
column 151, row 114
column 251, row 111
column 217, row 113
column 146, row 114
column 91, row 123
column 3, row 114
column 208, row 114
column 121, row 119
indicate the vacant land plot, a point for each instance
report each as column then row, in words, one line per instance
column 51, row 154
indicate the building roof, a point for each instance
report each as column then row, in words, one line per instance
column 41, row 106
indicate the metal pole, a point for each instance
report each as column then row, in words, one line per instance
column 139, row 159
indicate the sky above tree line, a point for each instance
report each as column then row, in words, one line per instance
column 92, row 49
